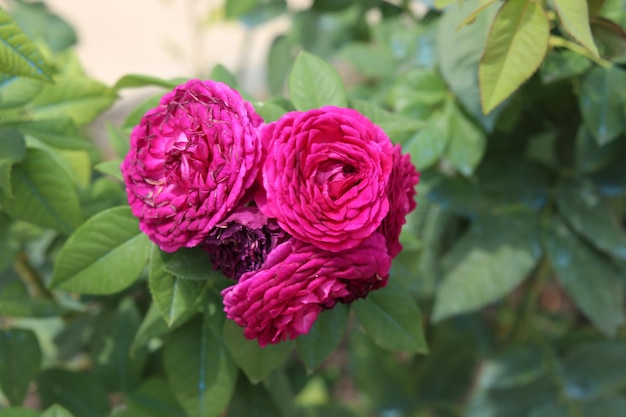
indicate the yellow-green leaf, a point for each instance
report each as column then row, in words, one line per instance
column 574, row 15
column 516, row 45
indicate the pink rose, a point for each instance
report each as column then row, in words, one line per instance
column 191, row 161
column 325, row 176
column 299, row 280
column 401, row 193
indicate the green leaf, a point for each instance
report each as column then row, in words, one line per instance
column 135, row 116
column 191, row 263
column 56, row 411
column 78, row 98
column 279, row 62
column 417, row 88
column 516, row 46
column 467, row 142
column 138, row 80
column 459, row 55
column 41, row 25
column 119, row 139
column 252, row 401
column 562, row 64
column 256, row 362
column 392, row 319
column 398, row 127
column 314, row 83
column 44, row 194
column 591, row 282
column 324, row 337
column 19, row 412
column 57, row 133
column 429, row 144
column 269, row 111
column 21, row 359
column 174, row 296
column 574, row 15
column 601, row 102
column 199, row 369
column 487, row 263
column 104, row 256
column 57, row 386
column 440, row 4
column 154, row 398
column 12, row 150
column 590, row 215
column 595, row 369
column 16, row 91
column 111, row 168
column 369, row 60
column 111, row 342
column 18, row 54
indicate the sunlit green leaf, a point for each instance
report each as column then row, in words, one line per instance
column 314, row 83
column 574, row 15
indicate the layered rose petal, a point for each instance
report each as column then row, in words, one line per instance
column 325, row 176
column 191, row 160
column 297, row 282
column 242, row 242
column 401, row 193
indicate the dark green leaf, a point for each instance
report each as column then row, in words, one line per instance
column 324, row 337
column 459, row 54
column 392, row 319
column 19, row 412
column 191, row 263
column 152, row 326
column 18, row 54
column 56, row 411
column 595, row 369
column 562, row 64
column 487, row 263
column 12, row 150
column 154, row 398
column 252, row 401
column 21, row 359
column 16, row 91
column 257, row 363
column 57, row 386
column 104, row 256
column 588, row 279
column 610, row 38
column 467, row 142
column 173, row 295
column 314, row 83
column 601, row 102
column 199, row 369
column 44, row 195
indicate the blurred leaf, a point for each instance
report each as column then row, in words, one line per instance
column 57, row 386
column 562, row 64
column 610, row 38
column 605, row 407
column 111, row 168
column 25, row 306
column 467, row 143
column 459, row 53
column 18, row 54
column 44, row 195
column 279, row 63
column 111, row 342
column 429, row 144
column 119, row 139
column 21, row 359
column 331, row 5
column 16, row 91
column 40, row 24
column 520, row 365
column 591, row 215
column 80, row 99
column 135, row 116
column 417, row 87
column 487, row 263
column 369, row 60
column 515, row 47
column 314, row 83
column 588, row 279
column 324, row 337
column 392, row 319
column 56, row 411
column 199, row 369
column 252, row 401
column 263, row 11
column 396, row 126
column 12, row 150
column 269, row 111
column 104, row 256
column 19, row 412
column 574, row 15
column 595, row 369
column 154, row 398
column 57, row 133
column 173, row 296
column 138, row 80
column 191, row 263
column 256, row 362
column 590, row 156
column 601, row 102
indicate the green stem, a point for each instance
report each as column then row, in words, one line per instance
column 30, row 277
column 574, row 47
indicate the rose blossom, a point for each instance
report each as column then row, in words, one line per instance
column 325, row 176
column 191, row 160
column 298, row 281
column 401, row 193
column 242, row 242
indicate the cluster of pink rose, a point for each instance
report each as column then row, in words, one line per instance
column 302, row 213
